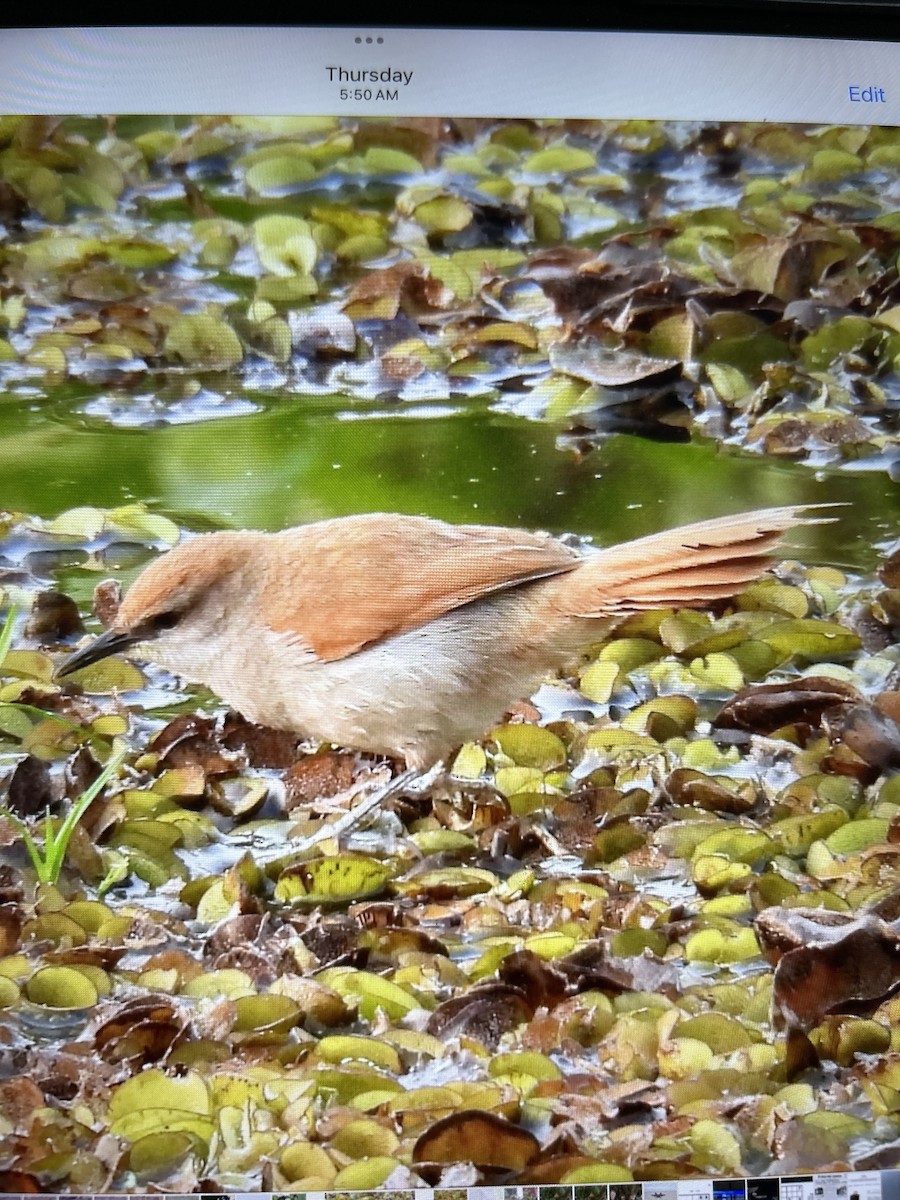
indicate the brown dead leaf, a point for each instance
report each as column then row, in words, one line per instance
column 336, row 943
column 251, row 961
column 92, row 955
column 77, row 708
column 477, row 1137
column 13, row 207
column 889, row 571
column 140, row 1032
column 484, row 1014
column 536, row 979
column 785, row 268
column 686, row 786
column 107, row 598
column 581, row 284
column 380, row 294
column 591, row 967
column 317, row 776
column 763, row 708
column 18, row 1100
column 796, row 436
column 234, row 945
column 241, row 930
column 193, row 741
column 19, row 1181
column 872, row 735
column 552, row 1170
column 828, row 962
column 390, row 941
column 10, row 928
column 264, row 748
column 884, row 1158
column 181, row 961
column 53, row 616
column 31, row 788
column 81, row 771
column 416, row 138
column 75, row 1070
column 11, row 891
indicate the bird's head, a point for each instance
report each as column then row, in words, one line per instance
column 174, row 602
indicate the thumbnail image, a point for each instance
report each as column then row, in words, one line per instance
column 729, row 1189
column 695, row 1189
column 800, row 1187
column 661, row 1191
column 592, row 1191
column 845, row 1185
column 763, row 1189
column 449, row 619
column 625, row 1191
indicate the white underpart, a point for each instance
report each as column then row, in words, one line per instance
column 418, row 695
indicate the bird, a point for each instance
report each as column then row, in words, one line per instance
column 407, row 636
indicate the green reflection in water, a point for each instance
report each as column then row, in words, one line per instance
column 306, row 459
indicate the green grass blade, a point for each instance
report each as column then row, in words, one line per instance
column 6, row 633
column 53, row 854
column 57, row 851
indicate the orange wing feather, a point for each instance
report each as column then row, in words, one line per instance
column 406, row 571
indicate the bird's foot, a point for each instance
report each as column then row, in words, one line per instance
column 411, row 780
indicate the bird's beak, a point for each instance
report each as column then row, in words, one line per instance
column 110, row 642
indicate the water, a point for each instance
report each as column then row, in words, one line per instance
column 297, row 459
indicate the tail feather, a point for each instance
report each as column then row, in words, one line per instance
column 686, row 567
column 690, row 587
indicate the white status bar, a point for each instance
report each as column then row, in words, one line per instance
column 453, row 72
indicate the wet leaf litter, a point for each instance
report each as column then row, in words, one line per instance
column 650, row 929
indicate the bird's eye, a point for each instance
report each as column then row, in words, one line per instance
column 164, row 620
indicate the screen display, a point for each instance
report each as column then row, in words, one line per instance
column 449, row 610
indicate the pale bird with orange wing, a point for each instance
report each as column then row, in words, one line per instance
column 406, row 636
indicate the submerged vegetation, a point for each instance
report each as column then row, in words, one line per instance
column 651, row 929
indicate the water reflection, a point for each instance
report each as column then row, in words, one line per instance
column 301, row 460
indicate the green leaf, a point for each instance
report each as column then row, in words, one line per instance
column 107, row 676
column 285, row 245
column 203, row 340
column 559, row 160
column 380, row 160
column 331, row 880
column 809, row 639
column 274, row 174
column 530, row 746
column 61, row 987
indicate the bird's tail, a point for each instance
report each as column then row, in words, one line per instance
column 686, row 567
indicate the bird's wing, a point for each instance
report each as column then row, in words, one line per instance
column 340, row 585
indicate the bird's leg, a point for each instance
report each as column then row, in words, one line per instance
column 412, row 779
